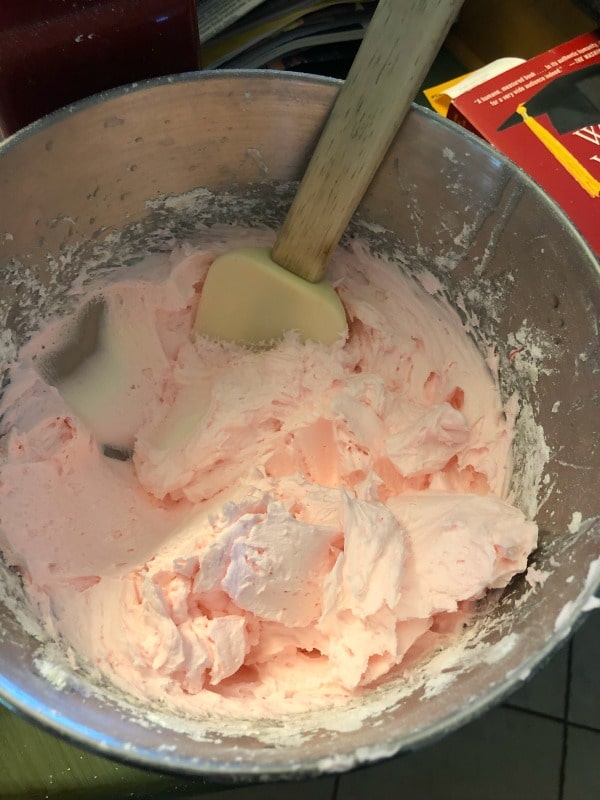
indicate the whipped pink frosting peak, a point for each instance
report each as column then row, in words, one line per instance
column 294, row 522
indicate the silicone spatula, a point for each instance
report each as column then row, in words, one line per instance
column 253, row 295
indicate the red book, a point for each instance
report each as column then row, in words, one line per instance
column 545, row 115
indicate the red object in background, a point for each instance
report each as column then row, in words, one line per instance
column 559, row 143
column 53, row 52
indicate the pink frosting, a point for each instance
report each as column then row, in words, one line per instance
column 295, row 523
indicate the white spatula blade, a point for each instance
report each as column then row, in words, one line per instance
column 248, row 298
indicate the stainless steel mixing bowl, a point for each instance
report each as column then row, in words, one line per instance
column 443, row 200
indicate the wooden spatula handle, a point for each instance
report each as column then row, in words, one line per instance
column 399, row 46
